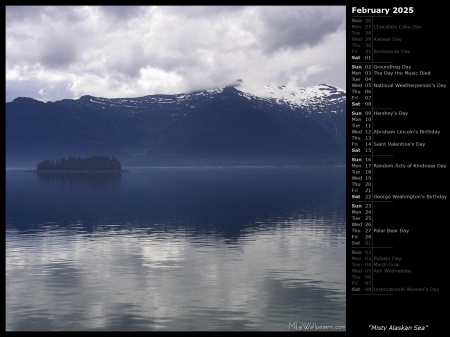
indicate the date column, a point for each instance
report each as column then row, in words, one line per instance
column 361, row 156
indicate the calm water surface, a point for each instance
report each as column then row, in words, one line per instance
column 176, row 249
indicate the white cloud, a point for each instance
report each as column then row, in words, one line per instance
column 135, row 51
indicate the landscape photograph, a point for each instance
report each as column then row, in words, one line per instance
column 175, row 168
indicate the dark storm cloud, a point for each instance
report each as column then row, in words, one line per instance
column 57, row 50
column 129, row 61
column 121, row 13
column 45, row 35
column 295, row 27
column 23, row 13
column 202, row 11
column 43, row 14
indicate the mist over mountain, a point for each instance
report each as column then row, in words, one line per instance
column 225, row 126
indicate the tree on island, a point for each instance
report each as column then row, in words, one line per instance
column 94, row 163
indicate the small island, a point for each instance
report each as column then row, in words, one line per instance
column 77, row 164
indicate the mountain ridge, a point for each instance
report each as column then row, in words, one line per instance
column 296, row 96
column 222, row 125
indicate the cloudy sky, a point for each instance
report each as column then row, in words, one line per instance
column 54, row 53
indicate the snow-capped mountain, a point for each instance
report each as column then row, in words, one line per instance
column 316, row 97
column 225, row 125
